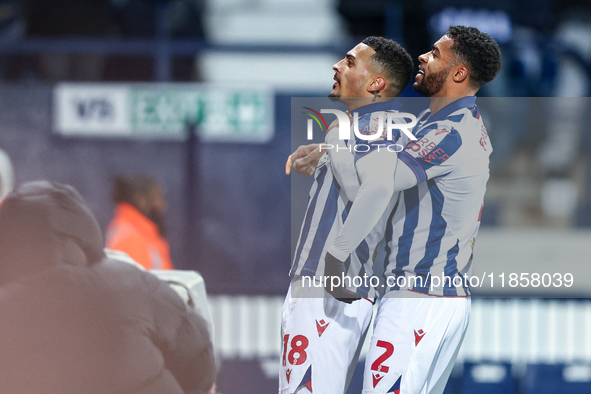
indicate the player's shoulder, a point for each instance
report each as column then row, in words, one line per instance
column 462, row 120
column 464, row 116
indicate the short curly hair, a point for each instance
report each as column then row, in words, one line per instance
column 392, row 59
column 478, row 51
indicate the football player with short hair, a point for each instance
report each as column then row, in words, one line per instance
column 322, row 336
column 442, row 179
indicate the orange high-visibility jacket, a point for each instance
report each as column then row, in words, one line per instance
column 133, row 233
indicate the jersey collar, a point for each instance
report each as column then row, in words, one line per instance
column 464, row 102
column 392, row 105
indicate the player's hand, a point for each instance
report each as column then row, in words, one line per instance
column 305, row 159
column 335, row 267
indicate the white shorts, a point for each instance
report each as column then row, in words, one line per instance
column 321, row 341
column 415, row 344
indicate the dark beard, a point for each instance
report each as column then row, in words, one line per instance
column 159, row 220
column 431, row 84
column 334, row 97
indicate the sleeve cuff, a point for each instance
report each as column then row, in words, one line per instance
column 338, row 254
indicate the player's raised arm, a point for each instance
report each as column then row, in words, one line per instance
column 376, row 174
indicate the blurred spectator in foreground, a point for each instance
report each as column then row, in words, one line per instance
column 6, row 175
column 138, row 227
column 75, row 322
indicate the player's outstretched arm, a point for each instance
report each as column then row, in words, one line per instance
column 375, row 197
column 376, row 173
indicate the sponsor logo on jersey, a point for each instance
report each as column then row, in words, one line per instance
column 321, row 326
column 418, row 336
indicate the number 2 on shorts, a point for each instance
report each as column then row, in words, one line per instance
column 377, row 365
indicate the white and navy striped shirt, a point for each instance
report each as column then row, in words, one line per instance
column 328, row 209
column 434, row 225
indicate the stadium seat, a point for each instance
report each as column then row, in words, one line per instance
column 557, row 378
column 454, row 384
column 487, row 377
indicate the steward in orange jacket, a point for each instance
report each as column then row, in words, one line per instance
column 133, row 233
column 137, row 226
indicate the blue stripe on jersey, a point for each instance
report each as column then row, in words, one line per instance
column 363, row 123
column 423, row 132
column 416, row 167
column 388, row 236
column 436, row 233
column 308, row 218
column 324, row 226
column 456, row 118
column 362, row 253
column 444, row 150
column 451, row 270
column 411, row 204
column 346, row 211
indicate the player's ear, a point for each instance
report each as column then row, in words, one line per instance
column 460, row 73
column 377, row 84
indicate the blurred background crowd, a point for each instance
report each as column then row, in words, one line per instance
column 229, row 204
